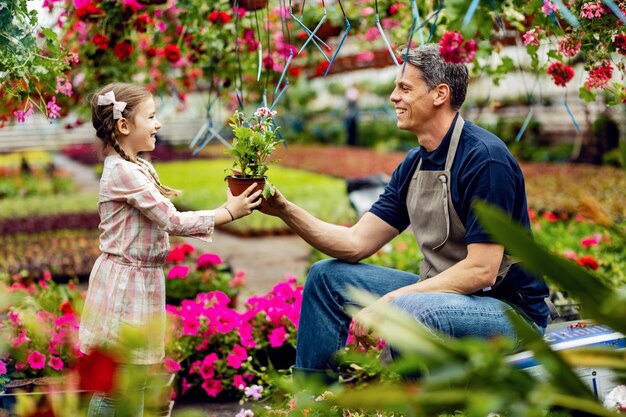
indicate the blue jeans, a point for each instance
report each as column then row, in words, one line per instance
column 324, row 323
column 131, row 379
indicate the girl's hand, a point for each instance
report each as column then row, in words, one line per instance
column 243, row 204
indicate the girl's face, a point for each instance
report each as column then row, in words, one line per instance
column 142, row 129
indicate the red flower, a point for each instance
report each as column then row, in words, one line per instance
column 176, row 255
column 456, row 50
column 101, row 41
column 97, row 371
column 172, row 53
column 561, row 73
column 89, row 13
column 588, row 262
column 620, row 43
column 599, row 77
column 219, row 17
column 123, row 50
column 66, row 308
column 549, row 216
column 142, row 21
column 395, row 8
column 151, row 52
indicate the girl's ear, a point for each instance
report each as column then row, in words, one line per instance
column 123, row 126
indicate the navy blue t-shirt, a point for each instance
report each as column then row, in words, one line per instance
column 483, row 168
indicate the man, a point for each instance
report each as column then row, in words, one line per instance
column 466, row 282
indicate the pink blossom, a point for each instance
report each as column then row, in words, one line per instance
column 171, row 365
column 36, row 360
column 239, row 279
column 549, row 7
column 178, row 272
column 532, row 36
column 3, row 368
column 367, row 11
column 570, row 254
column 56, row 363
column 239, row 355
column 14, row 317
column 22, row 115
column 254, row 391
column 264, row 112
column 53, row 108
column 455, row 49
column 21, row 339
column 185, row 386
column 592, row 10
column 569, row 46
column 207, row 367
column 212, row 387
column 372, row 34
column 592, row 240
column 389, row 23
column 207, row 260
column 191, row 325
column 365, row 56
column 239, row 382
column 277, row 337
column 283, row 12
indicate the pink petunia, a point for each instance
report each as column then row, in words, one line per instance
column 239, row 355
column 569, row 254
column 239, row 279
column 208, row 260
column 185, row 386
column 239, row 382
column 56, row 363
column 3, row 368
column 171, row 365
column 36, row 360
column 212, row 387
column 278, row 337
column 178, row 272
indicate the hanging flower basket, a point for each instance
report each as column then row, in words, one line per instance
column 252, row 5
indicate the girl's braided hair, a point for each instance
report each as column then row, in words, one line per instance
column 106, row 126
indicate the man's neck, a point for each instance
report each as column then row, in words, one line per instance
column 435, row 130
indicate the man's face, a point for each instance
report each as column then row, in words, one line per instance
column 412, row 100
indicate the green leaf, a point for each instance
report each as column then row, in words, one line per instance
column 587, row 95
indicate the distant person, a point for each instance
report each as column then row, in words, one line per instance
column 467, row 285
column 25, row 168
column 127, row 284
column 351, row 118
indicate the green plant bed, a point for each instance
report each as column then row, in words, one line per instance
column 37, row 205
column 204, row 188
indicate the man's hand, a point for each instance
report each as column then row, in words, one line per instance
column 274, row 205
column 362, row 333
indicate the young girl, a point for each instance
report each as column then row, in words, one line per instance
column 127, row 284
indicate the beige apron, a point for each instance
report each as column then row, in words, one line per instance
column 436, row 225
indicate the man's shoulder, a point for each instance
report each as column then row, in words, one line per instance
column 483, row 143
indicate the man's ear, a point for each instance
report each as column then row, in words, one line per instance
column 442, row 94
column 122, row 126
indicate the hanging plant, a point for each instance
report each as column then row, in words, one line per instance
column 252, row 5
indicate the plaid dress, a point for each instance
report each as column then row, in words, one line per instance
column 127, row 283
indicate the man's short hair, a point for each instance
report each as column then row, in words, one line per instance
column 436, row 71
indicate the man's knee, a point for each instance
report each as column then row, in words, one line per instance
column 324, row 275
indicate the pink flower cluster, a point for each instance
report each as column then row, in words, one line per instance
column 221, row 343
column 531, row 37
column 30, row 354
column 592, row 10
column 455, row 49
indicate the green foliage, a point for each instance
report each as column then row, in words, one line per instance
column 52, row 204
column 203, row 188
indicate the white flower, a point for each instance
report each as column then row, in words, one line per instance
column 616, row 399
column 264, row 112
column 245, row 413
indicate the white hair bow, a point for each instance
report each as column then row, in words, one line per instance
column 118, row 106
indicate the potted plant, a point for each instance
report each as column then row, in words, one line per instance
column 255, row 138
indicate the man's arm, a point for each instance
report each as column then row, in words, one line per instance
column 349, row 244
column 477, row 271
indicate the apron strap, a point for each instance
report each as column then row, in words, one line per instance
column 454, row 141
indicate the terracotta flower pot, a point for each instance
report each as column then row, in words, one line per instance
column 238, row 185
column 251, row 5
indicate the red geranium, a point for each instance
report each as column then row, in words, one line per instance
column 142, row 21
column 89, row 13
column 456, row 50
column 599, row 76
column 97, row 371
column 172, row 53
column 101, row 41
column 123, row 50
column 620, row 43
column 219, row 17
column 561, row 73
column 588, row 262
